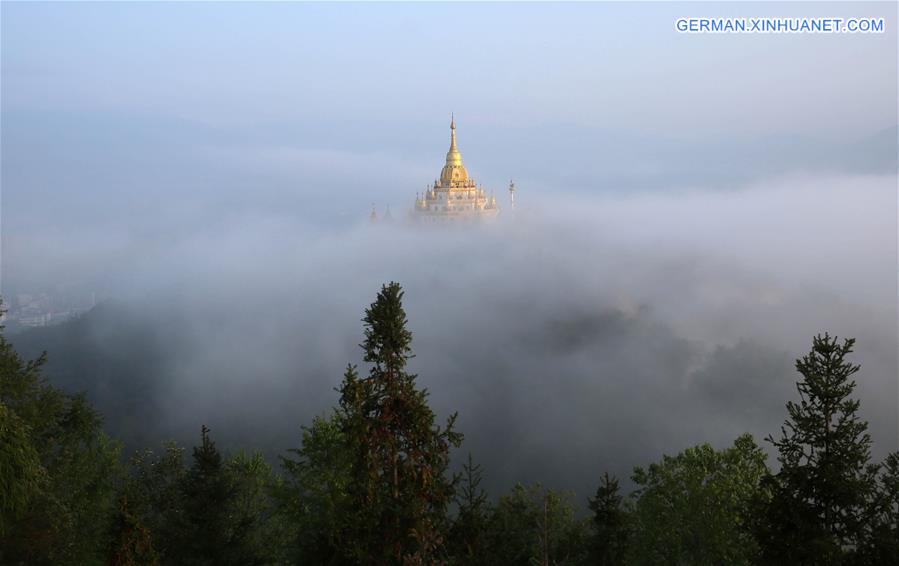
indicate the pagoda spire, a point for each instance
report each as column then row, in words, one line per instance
column 453, row 148
column 453, row 157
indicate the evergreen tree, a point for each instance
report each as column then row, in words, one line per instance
column 207, row 492
column 258, row 532
column 535, row 526
column 819, row 499
column 610, row 524
column 882, row 541
column 467, row 539
column 398, row 490
column 219, row 510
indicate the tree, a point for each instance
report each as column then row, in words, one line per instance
column 207, row 491
column 153, row 492
column 314, row 493
column 610, row 524
column 63, row 467
column 695, row 508
column 219, row 510
column 881, row 545
column 820, row 498
column 398, row 490
column 21, row 472
column 467, row 540
column 258, row 531
column 534, row 526
column 132, row 542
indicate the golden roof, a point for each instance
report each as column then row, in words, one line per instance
column 453, row 172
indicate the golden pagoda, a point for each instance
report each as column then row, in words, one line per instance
column 455, row 195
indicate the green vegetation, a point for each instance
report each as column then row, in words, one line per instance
column 370, row 484
column 694, row 508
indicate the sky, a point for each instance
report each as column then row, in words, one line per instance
column 599, row 65
column 691, row 208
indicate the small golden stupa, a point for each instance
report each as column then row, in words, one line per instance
column 455, row 195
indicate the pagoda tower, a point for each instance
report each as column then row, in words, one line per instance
column 455, row 195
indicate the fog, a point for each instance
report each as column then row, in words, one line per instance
column 574, row 335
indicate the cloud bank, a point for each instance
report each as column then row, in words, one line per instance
column 575, row 335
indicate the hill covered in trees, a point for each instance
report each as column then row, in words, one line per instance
column 371, row 482
column 563, row 380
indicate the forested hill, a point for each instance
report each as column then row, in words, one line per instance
column 117, row 358
column 145, row 374
column 157, row 375
column 569, row 391
column 551, row 381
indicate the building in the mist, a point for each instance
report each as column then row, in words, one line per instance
column 455, row 195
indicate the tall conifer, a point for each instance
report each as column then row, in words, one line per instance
column 610, row 523
column 468, row 536
column 819, row 499
column 399, row 489
column 207, row 491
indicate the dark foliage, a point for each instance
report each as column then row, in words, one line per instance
column 611, row 524
column 132, row 542
column 468, row 534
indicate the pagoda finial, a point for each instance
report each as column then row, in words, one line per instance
column 453, row 151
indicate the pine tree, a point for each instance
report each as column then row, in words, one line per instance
column 818, row 500
column 399, row 490
column 259, row 534
column 609, row 523
column 536, row 526
column 207, row 494
column 468, row 533
column 882, row 537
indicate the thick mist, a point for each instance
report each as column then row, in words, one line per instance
column 574, row 335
